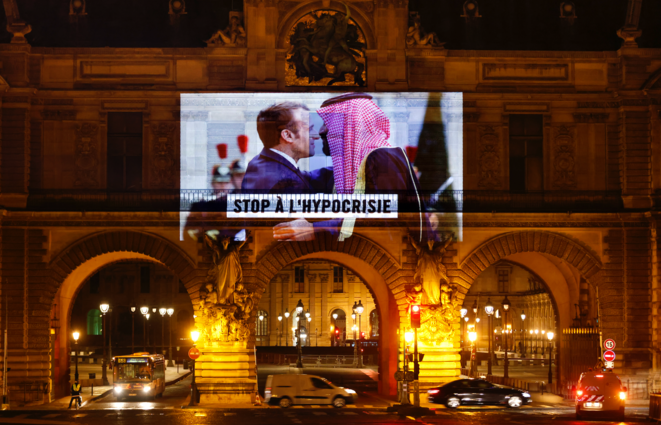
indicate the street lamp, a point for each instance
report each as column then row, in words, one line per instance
column 299, row 311
column 359, row 310
column 104, row 309
column 144, row 310
column 147, row 319
column 170, row 362
column 286, row 326
column 550, row 336
column 488, row 309
column 132, row 330
column 506, row 308
column 194, row 335
column 76, row 335
column 163, row 311
column 473, row 337
column 523, row 328
column 279, row 320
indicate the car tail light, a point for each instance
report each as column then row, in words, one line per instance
column 623, row 395
column 432, row 392
column 579, row 393
column 599, row 376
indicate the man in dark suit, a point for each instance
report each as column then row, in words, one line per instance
column 284, row 129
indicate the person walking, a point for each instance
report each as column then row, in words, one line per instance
column 76, row 389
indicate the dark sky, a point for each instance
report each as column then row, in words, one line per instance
column 504, row 25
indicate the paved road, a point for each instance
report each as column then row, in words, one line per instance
column 299, row 416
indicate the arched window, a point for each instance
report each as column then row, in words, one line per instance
column 374, row 323
column 94, row 323
column 339, row 322
column 262, row 323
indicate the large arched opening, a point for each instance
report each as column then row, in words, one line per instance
column 74, row 266
column 374, row 266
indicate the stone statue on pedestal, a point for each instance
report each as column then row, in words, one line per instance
column 417, row 37
column 232, row 36
column 430, row 270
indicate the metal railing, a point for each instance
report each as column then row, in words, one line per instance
column 447, row 201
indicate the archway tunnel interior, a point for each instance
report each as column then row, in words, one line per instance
column 121, row 280
column 544, row 295
column 330, row 287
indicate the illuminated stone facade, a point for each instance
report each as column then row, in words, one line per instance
column 593, row 224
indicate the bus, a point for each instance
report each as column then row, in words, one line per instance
column 138, row 375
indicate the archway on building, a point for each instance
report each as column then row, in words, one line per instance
column 77, row 265
column 377, row 280
column 331, row 324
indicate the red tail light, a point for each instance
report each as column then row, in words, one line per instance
column 579, row 393
column 433, row 391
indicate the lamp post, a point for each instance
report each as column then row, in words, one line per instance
column 506, row 307
column 333, row 342
column 408, row 338
column 132, row 330
column 76, row 335
column 309, row 319
column 359, row 310
column 194, row 335
column 523, row 328
column 299, row 311
column 472, row 335
column 488, row 309
column 170, row 362
column 163, row 311
column 550, row 336
column 144, row 311
column 280, row 326
column 286, row 326
column 104, row 309
column 310, row 327
column 149, row 327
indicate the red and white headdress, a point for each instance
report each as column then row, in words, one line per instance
column 356, row 126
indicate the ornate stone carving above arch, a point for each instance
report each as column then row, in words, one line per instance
column 296, row 10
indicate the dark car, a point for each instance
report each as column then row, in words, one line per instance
column 476, row 392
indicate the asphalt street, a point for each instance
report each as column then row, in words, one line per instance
column 172, row 409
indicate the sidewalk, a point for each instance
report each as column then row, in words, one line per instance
column 171, row 376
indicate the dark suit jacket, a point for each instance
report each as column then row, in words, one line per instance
column 270, row 172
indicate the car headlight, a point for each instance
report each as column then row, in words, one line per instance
column 118, row 390
column 349, row 391
column 526, row 395
column 623, row 395
column 146, row 389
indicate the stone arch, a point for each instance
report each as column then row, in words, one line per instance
column 383, row 275
column 358, row 15
column 550, row 243
column 73, row 265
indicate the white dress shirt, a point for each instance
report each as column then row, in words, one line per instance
column 287, row 157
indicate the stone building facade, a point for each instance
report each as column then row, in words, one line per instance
column 586, row 226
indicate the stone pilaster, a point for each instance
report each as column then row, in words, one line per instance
column 225, row 374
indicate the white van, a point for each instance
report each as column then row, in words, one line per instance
column 600, row 393
column 286, row 390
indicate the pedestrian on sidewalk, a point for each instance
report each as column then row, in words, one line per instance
column 76, row 389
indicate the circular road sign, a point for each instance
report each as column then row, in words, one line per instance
column 609, row 344
column 194, row 353
column 609, row 356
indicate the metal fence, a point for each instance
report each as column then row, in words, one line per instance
column 447, row 201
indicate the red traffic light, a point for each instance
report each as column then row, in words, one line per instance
column 362, row 335
column 415, row 316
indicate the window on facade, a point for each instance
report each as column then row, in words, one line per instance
column 124, row 151
column 145, row 280
column 299, row 279
column 526, row 153
column 94, row 322
column 95, row 283
column 262, row 325
column 374, row 323
column 503, row 280
column 338, row 280
column 182, row 287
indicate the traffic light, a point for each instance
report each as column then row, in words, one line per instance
column 415, row 316
column 362, row 335
column 337, row 333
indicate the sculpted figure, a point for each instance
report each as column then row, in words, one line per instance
column 233, row 35
column 416, row 36
column 431, row 271
column 226, row 272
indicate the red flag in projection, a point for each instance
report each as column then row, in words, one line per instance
column 242, row 141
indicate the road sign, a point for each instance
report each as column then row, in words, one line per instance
column 609, row 344
column 609, row 356
column 194, row 353
column 610, row 365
